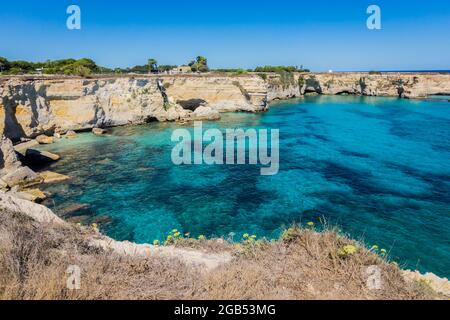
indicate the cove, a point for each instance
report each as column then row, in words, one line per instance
column 378, row 168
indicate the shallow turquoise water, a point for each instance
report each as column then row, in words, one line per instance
column 376, row 167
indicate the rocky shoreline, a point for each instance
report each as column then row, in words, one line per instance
column 43, row 110
column 202, row 260
column 32, row 106
column 19, row 189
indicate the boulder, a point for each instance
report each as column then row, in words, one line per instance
column 172, row 114
column 8, row 157
column 52, row 177
column 34, row 195
column 23, row 147
column 205, row 113
column 43, row 139
column 39, row 213
column 23, row 177
column 98, row 131
column 36, row 156
column 3, row 185
column 71, row 134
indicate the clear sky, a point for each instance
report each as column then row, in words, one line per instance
column 320, row 35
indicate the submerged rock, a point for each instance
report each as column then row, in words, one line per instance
column 105, row 161
column 71, row 209
column 43, row 139
column 102, row 220
column 82, row 219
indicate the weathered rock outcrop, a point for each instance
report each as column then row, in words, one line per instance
column 12, row 173
column 405, row 85
column 32, row 107
column 283, row 86
column 8, row 158
column 22, row 177
column 238, row 93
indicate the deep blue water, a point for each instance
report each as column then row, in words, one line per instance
column 376, row 167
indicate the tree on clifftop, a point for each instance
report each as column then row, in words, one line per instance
column 153, row 65
column 4, row 64
column 200, row 64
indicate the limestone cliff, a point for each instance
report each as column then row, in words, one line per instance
column 30, row 107
column 283, row 86
column 225, row 93
column 405, row 85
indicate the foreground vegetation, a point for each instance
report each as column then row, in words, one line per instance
column 302, row 264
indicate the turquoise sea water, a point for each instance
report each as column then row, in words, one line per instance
column 376, row 167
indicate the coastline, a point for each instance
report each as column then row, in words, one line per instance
column 214, row 258
column 250, row 97
column 30, row 105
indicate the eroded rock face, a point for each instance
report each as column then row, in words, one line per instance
column 283, row 86
column 205, row 113
column 12, row 173
column 29, row 108
column 403, row 85
column 22, row 177
column 11, row 203
column 222, row 93
column 32, row 107
column 8, row 157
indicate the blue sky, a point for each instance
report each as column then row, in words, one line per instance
column 320, row 35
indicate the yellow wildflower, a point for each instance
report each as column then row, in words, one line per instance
column 349, row 249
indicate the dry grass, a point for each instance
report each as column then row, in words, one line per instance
column 302, row 265
column 34, row 259
column 307, row 265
